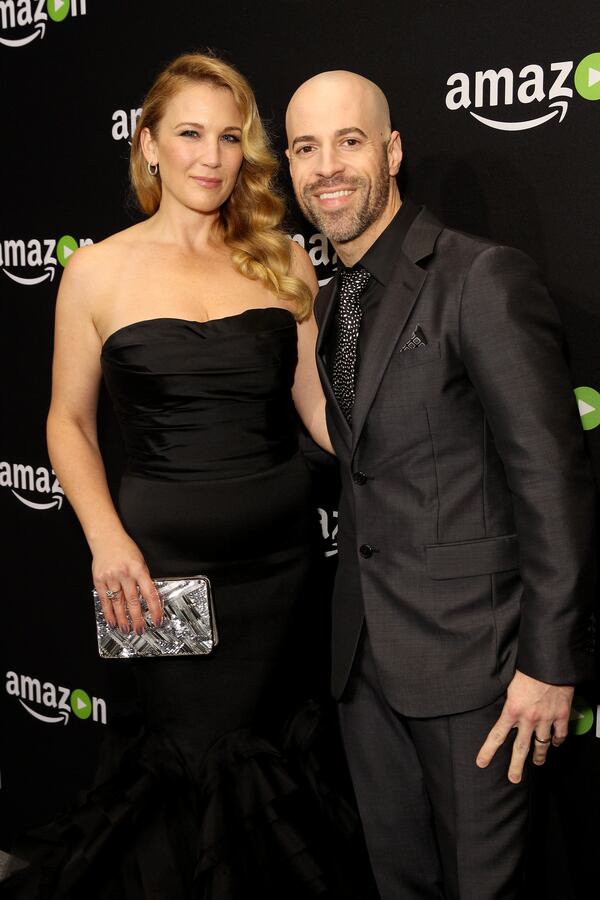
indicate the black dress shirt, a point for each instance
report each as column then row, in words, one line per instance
column 379, row 260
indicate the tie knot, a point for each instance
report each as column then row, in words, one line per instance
column 354, row 281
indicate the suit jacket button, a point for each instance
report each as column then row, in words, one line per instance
column 365, row 551
column 359, row 478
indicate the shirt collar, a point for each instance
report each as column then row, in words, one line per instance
column 381, row 256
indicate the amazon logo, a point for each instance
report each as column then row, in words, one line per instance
column 328, row 519
column 53, row 704
column 24, row 21
column 517, row 101
column 124, row 123
column 31, row 262
column 321, row 252
column 37, row 488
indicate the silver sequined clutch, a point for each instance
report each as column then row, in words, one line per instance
column 188, row 629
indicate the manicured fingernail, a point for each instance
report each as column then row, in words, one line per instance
column 139, row 630
column 124, row 630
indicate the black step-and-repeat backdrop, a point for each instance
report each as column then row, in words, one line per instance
column 497, row 106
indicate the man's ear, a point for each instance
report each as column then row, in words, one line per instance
column 394, row 153
column 287, row 153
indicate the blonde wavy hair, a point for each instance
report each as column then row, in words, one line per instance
column 250, row 219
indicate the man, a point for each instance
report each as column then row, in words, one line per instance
column 465, row 515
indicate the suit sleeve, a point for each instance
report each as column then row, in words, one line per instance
column 511, row 344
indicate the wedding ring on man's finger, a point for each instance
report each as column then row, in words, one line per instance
column 112, row 594
column 540, row 740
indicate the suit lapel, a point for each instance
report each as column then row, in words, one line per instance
column 325, row 319
column 392, row 314
column 324, row 313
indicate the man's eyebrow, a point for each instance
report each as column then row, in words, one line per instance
column 304, row 138
column 354, row 130
column 307, row 138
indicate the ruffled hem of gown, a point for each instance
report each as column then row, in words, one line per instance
column 258, row 822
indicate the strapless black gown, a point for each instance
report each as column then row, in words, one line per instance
column 215, row 798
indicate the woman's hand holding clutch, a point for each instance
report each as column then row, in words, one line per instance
column 119, row 570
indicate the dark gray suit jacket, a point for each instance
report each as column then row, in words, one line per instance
column 471, row 536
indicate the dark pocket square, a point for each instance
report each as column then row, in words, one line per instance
column 416, row 340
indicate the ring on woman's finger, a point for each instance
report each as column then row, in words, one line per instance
column 540, row 740
column 112, row 594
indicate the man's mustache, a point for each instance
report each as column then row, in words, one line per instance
column 332, row 184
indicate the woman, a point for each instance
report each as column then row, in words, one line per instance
column 199, row 320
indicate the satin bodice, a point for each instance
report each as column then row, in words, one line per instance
column 203, row 400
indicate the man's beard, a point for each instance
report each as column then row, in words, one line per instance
column 343, row 225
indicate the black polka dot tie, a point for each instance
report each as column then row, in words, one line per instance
column 353, row 283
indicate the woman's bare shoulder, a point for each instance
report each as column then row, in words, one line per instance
column 93, row 266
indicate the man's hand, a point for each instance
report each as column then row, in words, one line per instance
column 535, row 709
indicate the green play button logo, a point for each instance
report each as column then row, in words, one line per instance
column 587, row 77
column 58, row 9
column 588, row 402
column 582, row 716
column 65, row 248
column 81, row 704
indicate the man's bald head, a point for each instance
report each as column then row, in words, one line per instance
column 344, row 158
column 340, row 89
